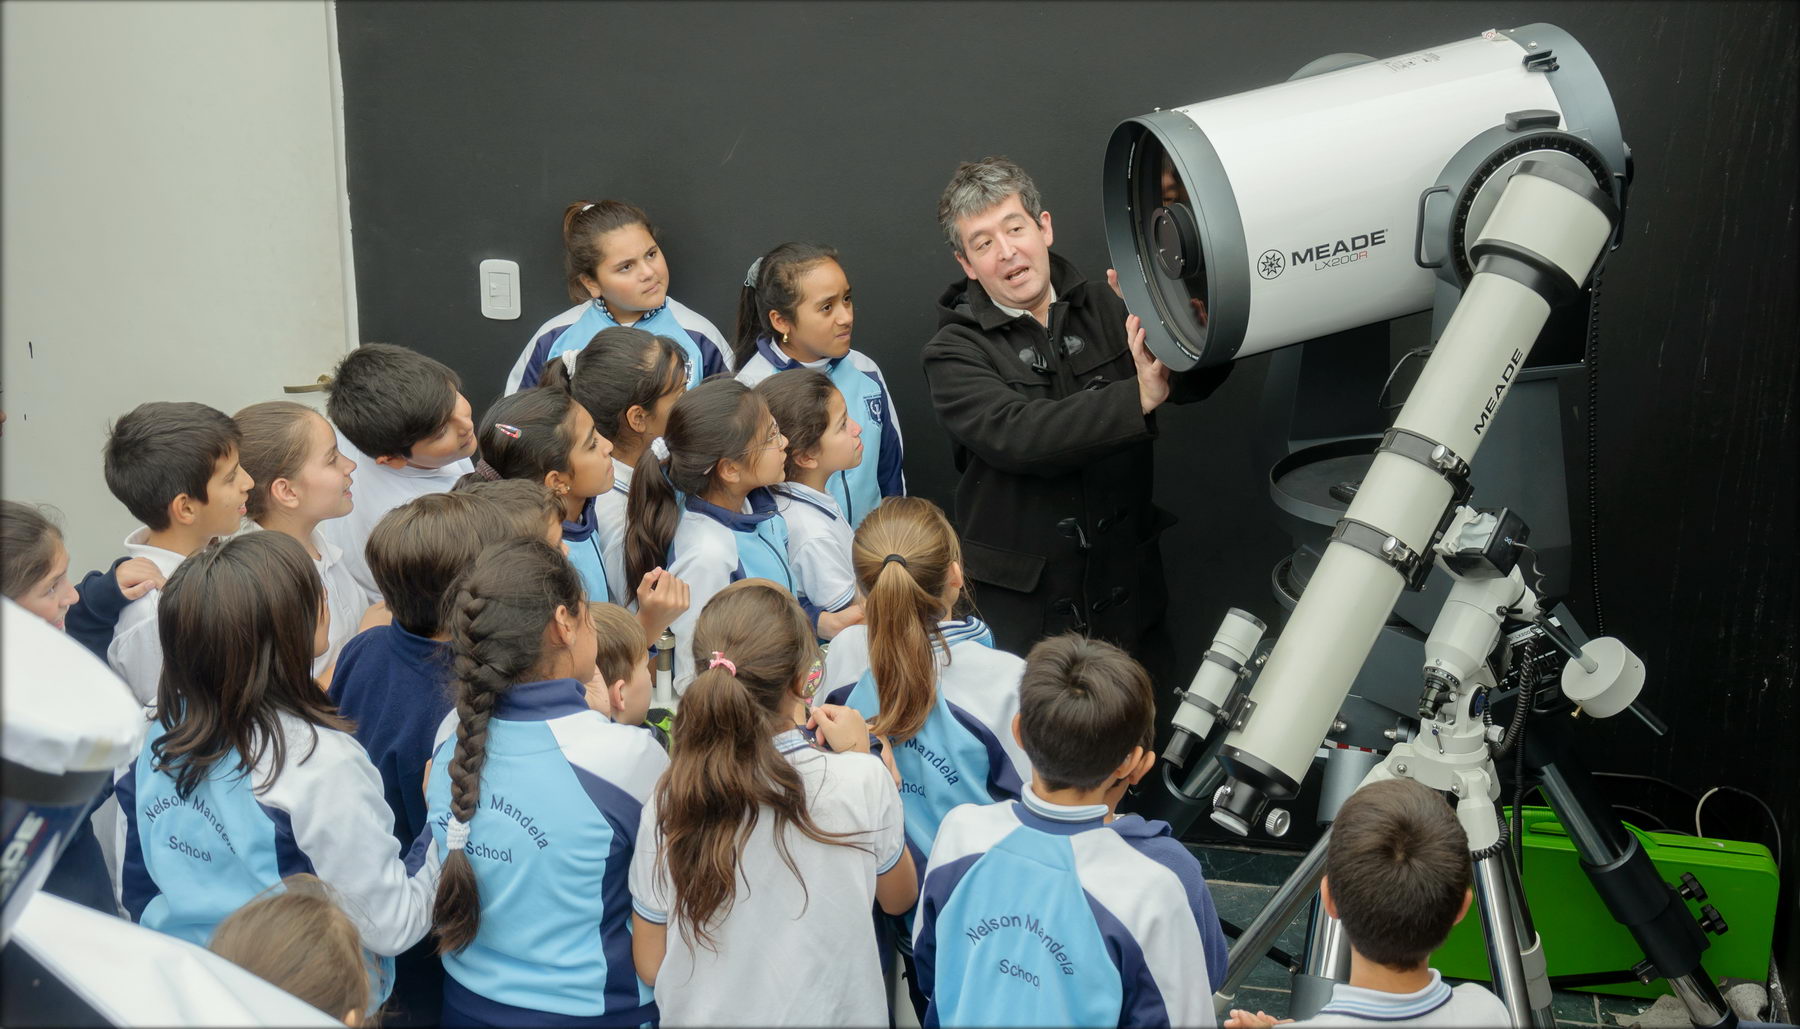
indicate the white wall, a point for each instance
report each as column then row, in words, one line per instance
column 175, row 227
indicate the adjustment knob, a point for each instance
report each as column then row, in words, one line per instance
column 1690, row 887
column 1277, row 823
column 1712, row 921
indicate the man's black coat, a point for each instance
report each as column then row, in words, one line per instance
column 1054, row 451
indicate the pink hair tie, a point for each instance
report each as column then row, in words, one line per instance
column 720, row 659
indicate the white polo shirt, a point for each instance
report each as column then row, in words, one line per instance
column 136, row 650
column 822, row 932
column 377, row 489
column 819, row 541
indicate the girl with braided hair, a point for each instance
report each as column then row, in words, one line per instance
column 760, row 844
column 534, row 800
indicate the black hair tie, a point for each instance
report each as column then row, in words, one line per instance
column 895, row 559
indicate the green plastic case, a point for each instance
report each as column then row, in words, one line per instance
column 1580, row 935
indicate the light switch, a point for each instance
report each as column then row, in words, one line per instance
column 500, row 289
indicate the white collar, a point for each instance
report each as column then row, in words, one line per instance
column 1361, row 1002
column 801, row 491
column 621, row 476
column 1059, row 812
column 166, row 561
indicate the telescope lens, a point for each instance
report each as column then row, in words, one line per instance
column 1168, row 228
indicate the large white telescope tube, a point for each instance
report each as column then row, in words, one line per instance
column 1538, row 247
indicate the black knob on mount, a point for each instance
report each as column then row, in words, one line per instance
column 1712, row 921
column 1690, row 887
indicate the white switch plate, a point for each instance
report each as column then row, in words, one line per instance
column 500, row 289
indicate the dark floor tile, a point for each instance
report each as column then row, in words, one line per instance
column 1237, row 903
column 1568, row 1006
column 1610, row 1006
column 1275, row 1002
column 1233, row 864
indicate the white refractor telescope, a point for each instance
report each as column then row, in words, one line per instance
column 1487, row 176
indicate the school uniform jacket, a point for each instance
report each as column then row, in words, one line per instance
column 700, row 341
column 712, row 549
column 819, row 542
column 191, row 861
column 609, row 531
column 965, row 753
column 582, row 538
column 1056, row 466
column 562, row 791
column 1041, row 914
column 880, row 473
column 91, row 620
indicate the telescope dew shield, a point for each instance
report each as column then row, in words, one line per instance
column 1546, row 233
column 1287, row 213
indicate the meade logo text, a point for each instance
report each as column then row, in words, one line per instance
column 1343, row 251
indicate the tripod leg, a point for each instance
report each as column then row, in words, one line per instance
column 1514, row 952
column 1628, row 882
column 1260, row 935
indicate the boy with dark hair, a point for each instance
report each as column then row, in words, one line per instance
column 1397, row 875
column 402, row 418
column 1052, row 910
column 175, row 467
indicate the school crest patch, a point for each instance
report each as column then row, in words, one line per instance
column 876, row 405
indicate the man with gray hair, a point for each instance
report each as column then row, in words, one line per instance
column 1048, row 392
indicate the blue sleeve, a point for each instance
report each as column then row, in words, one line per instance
column 90, row 621
column 1003, row 781
column 839, row 696
column 890, row 471
column 1169, row 852
column 138, row 888
column 934, row 893
column 1141, row 1001
column 712, row 360
column 540, row 352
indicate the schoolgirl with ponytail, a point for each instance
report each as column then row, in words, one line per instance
column 705, row 508
column 629, row 380
column 759, row 846
column 535, row 801
column 543, row 434
column 795, row 311
column 617, row 275
column 930, row 681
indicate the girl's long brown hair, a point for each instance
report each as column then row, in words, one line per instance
column 714, row 421
column 904, row 604
column 724, row 769
column 503, row 605
column 236, row 622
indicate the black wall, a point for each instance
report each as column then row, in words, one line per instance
column 741, row 125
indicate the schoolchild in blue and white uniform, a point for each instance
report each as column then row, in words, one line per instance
column 619, row 275
column 762, row 850
column 946, row 700
column 250, row 774
column 795, row 312
column 534, row 799
column 629, row 381
column 303, row 480
column 823, row 440
column 706, row 512
column 543, row 435
column 1052, row 910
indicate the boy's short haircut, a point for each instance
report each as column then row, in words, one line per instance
column 529, row 504
column 622, row 643
column 160, row 450
column 418, row 549
column 1398, row 866
column 1083, row 705
column 385, row 399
